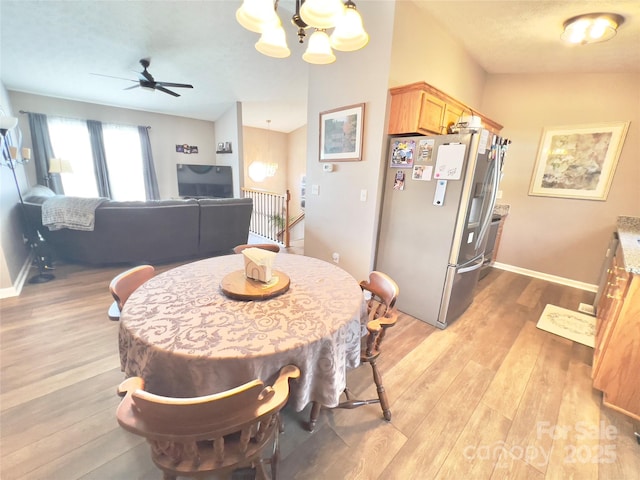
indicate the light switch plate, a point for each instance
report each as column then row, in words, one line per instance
column 315, row 189
column 363, row 195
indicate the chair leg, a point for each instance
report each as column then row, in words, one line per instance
column 382, row 394
column 313, row 417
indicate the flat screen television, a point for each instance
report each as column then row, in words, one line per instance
column 204, row 181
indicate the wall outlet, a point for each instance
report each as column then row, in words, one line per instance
column 336, row 257
column 363, row 195
column 499, row 194
column 315, row 189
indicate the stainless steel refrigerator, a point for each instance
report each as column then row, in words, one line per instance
column 438, row 202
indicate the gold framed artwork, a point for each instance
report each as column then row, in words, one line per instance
column 578, row 161
column 341, row 133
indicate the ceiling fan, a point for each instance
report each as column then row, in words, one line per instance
column 146, row 80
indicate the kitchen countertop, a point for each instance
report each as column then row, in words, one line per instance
column 629, row 234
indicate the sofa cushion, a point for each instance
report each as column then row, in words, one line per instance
column 38, row 194
column 224, row 223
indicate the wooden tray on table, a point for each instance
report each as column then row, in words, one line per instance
column 236, row 285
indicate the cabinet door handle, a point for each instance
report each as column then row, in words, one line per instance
column 614, row 297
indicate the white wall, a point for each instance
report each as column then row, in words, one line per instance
column 261, row 145
column 13, row 252
column 424, row 52
column 229, row 129
column 336, row 220
column 166, row 132
column 559, row 236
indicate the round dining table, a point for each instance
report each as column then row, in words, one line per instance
column 183, row 335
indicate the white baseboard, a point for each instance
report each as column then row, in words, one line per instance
column 15, row 290
column 545, row 276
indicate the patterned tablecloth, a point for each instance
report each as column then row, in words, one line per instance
column 186, row 338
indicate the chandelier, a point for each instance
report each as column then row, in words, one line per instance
column 348, row 33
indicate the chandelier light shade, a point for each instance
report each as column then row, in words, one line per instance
column 319, row 49
column 348, row 34
column 321, row 13
column 591, row 28
column 273, row 42
column 257, row 15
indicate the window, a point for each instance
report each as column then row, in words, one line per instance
column 70, row 140
column 124, row 162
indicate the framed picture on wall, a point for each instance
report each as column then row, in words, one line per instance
column 578, row 161
column 341, row 133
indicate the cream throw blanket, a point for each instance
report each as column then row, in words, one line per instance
column 75, row 213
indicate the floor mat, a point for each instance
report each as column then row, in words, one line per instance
column 575, row 326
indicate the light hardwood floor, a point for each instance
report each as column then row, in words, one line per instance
column 490, row 397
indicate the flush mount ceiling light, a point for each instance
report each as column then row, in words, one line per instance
column 348, row 33
column 591, row 28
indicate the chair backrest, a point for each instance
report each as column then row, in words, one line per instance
column 272, row 247
column 180, row 430
column 384, row 293
column 124, row 284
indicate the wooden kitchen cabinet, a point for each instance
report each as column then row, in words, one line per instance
column 616, row 357
column 423, row 109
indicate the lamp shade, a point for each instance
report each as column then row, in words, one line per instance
column 7, row 123
column 60, row 165
column 349, row 34
column 256, row 15
column 321, row 13
column 319, row 49
column 273, row 42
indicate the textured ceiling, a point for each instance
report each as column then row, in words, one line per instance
column 53, row 47
column 516, row 36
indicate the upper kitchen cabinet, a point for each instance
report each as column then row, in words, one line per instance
column 421, row 108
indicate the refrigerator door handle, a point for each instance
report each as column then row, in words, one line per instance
column 487, row 219
column 473, row 267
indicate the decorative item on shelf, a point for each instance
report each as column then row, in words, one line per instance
column 591, row 28
column 32, row 235
column 348, row 34
column 224, row 147
column 186, row 148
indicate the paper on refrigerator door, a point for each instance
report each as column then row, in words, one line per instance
column 449, row 161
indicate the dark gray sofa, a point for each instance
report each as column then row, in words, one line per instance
column 151, row 232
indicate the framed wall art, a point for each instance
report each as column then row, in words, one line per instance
column 578, row 161
column 341, row 132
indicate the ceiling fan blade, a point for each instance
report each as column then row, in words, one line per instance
column 132, row 86
column 170, row 84
column 111, row 76
column 144, row 75
column 162, row 89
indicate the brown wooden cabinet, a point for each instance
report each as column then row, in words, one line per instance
column 616, row 357
column 423, row 109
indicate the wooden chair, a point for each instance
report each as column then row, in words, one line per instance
column 215, row 433
column 124, row 284
column 272, row 247
column 382, row 315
